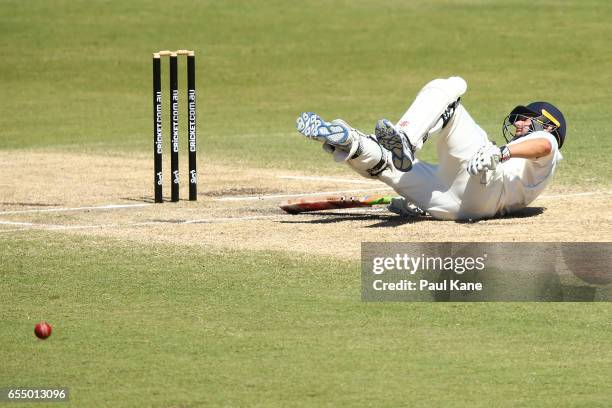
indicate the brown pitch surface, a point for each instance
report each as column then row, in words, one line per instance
column 36, row 180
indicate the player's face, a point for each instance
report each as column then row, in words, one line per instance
column 522, row 125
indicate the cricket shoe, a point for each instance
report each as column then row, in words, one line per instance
column 335, row 133
column 395, row 141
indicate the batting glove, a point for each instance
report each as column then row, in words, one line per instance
column 487, row 157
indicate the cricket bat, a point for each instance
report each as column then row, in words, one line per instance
column 301, row 205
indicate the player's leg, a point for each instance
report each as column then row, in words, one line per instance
column 424, row 187
column 421, row 186
column 455, row 147
column 335, row 133
column 346, row 143
column 446, row 190
column 367, row 157
column 430, row 112
column 458, row 143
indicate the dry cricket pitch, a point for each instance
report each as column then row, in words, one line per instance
column 237, row 209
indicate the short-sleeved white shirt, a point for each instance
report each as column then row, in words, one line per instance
column 525, row 179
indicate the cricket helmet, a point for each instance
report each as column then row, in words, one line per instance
column 545, row 116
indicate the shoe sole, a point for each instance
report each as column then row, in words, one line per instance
column 392, row 141
column 313, row 126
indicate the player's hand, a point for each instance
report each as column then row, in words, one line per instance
column 486, row 158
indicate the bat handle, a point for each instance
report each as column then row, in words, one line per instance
column 483, row 177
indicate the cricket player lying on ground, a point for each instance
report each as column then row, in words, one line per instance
column 474, row 178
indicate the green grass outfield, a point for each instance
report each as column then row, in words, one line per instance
column 149, row 326
column 160, row 326
column 77, row 74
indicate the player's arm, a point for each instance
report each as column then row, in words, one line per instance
column 530, row 149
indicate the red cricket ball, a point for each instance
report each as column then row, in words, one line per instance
column 42, row 330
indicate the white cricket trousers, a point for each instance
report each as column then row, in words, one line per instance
column 445, row 190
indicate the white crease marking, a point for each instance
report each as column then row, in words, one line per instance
column 28, row 226
column 15, row 223
column 54, row 227
column 68, row 209
column 589, row 193
column 334, row 179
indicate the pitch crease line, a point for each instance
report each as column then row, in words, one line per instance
column 15, row 223
column 229, row 219
column 589, row 193
column 334, row 179
column 55, row 227
column 68, row 209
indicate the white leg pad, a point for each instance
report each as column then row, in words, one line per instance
column 429, row 105
column 368, row 159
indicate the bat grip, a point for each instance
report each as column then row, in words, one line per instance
column 483, row 177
